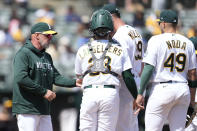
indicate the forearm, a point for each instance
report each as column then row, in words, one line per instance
column 130, row 82
column 28, row 84
column 145, row 77
column 193, row 93
column 65, row 82
column 192, row 81
column 60, row 80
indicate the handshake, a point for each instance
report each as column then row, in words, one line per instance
column 50, row 95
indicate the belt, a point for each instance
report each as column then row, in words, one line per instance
column 172, row 82
column 98, row 86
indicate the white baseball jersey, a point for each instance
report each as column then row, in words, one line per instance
column 116, row 57
column 172, row 55
column 130, row 39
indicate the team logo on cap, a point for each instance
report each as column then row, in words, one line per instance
column 49, row 26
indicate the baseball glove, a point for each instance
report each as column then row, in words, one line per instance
column 191, row 113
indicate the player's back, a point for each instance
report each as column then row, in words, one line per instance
column 130, row 39
column 116, row 58
column 173, row 56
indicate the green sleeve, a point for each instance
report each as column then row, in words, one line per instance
column 60, row 80
column 130, row 82
column 21, row 76
column 145, row 77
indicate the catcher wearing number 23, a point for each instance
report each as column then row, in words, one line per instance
column 101, row 62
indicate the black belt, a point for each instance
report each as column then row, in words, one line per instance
column 172, row 82
column 105, row 86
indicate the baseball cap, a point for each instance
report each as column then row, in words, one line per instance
column 168, row 16
column 112, row 9
column 194, row 41
column 43, row 28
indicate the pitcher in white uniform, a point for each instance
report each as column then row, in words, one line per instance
column 170, row 61
column 101, row 62
column 131, row 40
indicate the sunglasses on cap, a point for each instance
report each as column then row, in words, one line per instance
column 47, row 35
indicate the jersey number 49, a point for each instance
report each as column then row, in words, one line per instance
column 176, row 62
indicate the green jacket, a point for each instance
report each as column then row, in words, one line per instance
column 34, row 73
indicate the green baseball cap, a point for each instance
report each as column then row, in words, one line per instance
column 42, row 28
column 112, row 9
column 168, row 16
column 194, row 41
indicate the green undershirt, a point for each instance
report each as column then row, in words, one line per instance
column 130, row 82
column 145, row 77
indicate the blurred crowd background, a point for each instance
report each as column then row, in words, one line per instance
column 70, row 18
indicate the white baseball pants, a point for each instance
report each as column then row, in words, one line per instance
column 28, row 122
column 68, row 119
column 127, row 121
column 167, row 101
column 99, row 109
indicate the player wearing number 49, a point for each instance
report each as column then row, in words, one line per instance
column 101, row 62
column 169, row 61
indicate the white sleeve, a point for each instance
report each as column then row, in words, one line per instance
column 192, row 61
column 150, row 56
column 78, row 67
column 126, row 43
column 130, row 47
column 126, row 60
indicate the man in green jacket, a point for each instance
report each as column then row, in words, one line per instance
column 34, row 76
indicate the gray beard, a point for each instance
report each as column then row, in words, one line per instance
column 44, row 45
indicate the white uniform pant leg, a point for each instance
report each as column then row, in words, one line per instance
column 88, row 111
column 68, row 116
column 108, row 111
column 127, row 121
column 177, row 115
column 45, row 123
column 28, row 122
column 163, row 98
column 154, row 119
column 99, row 109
